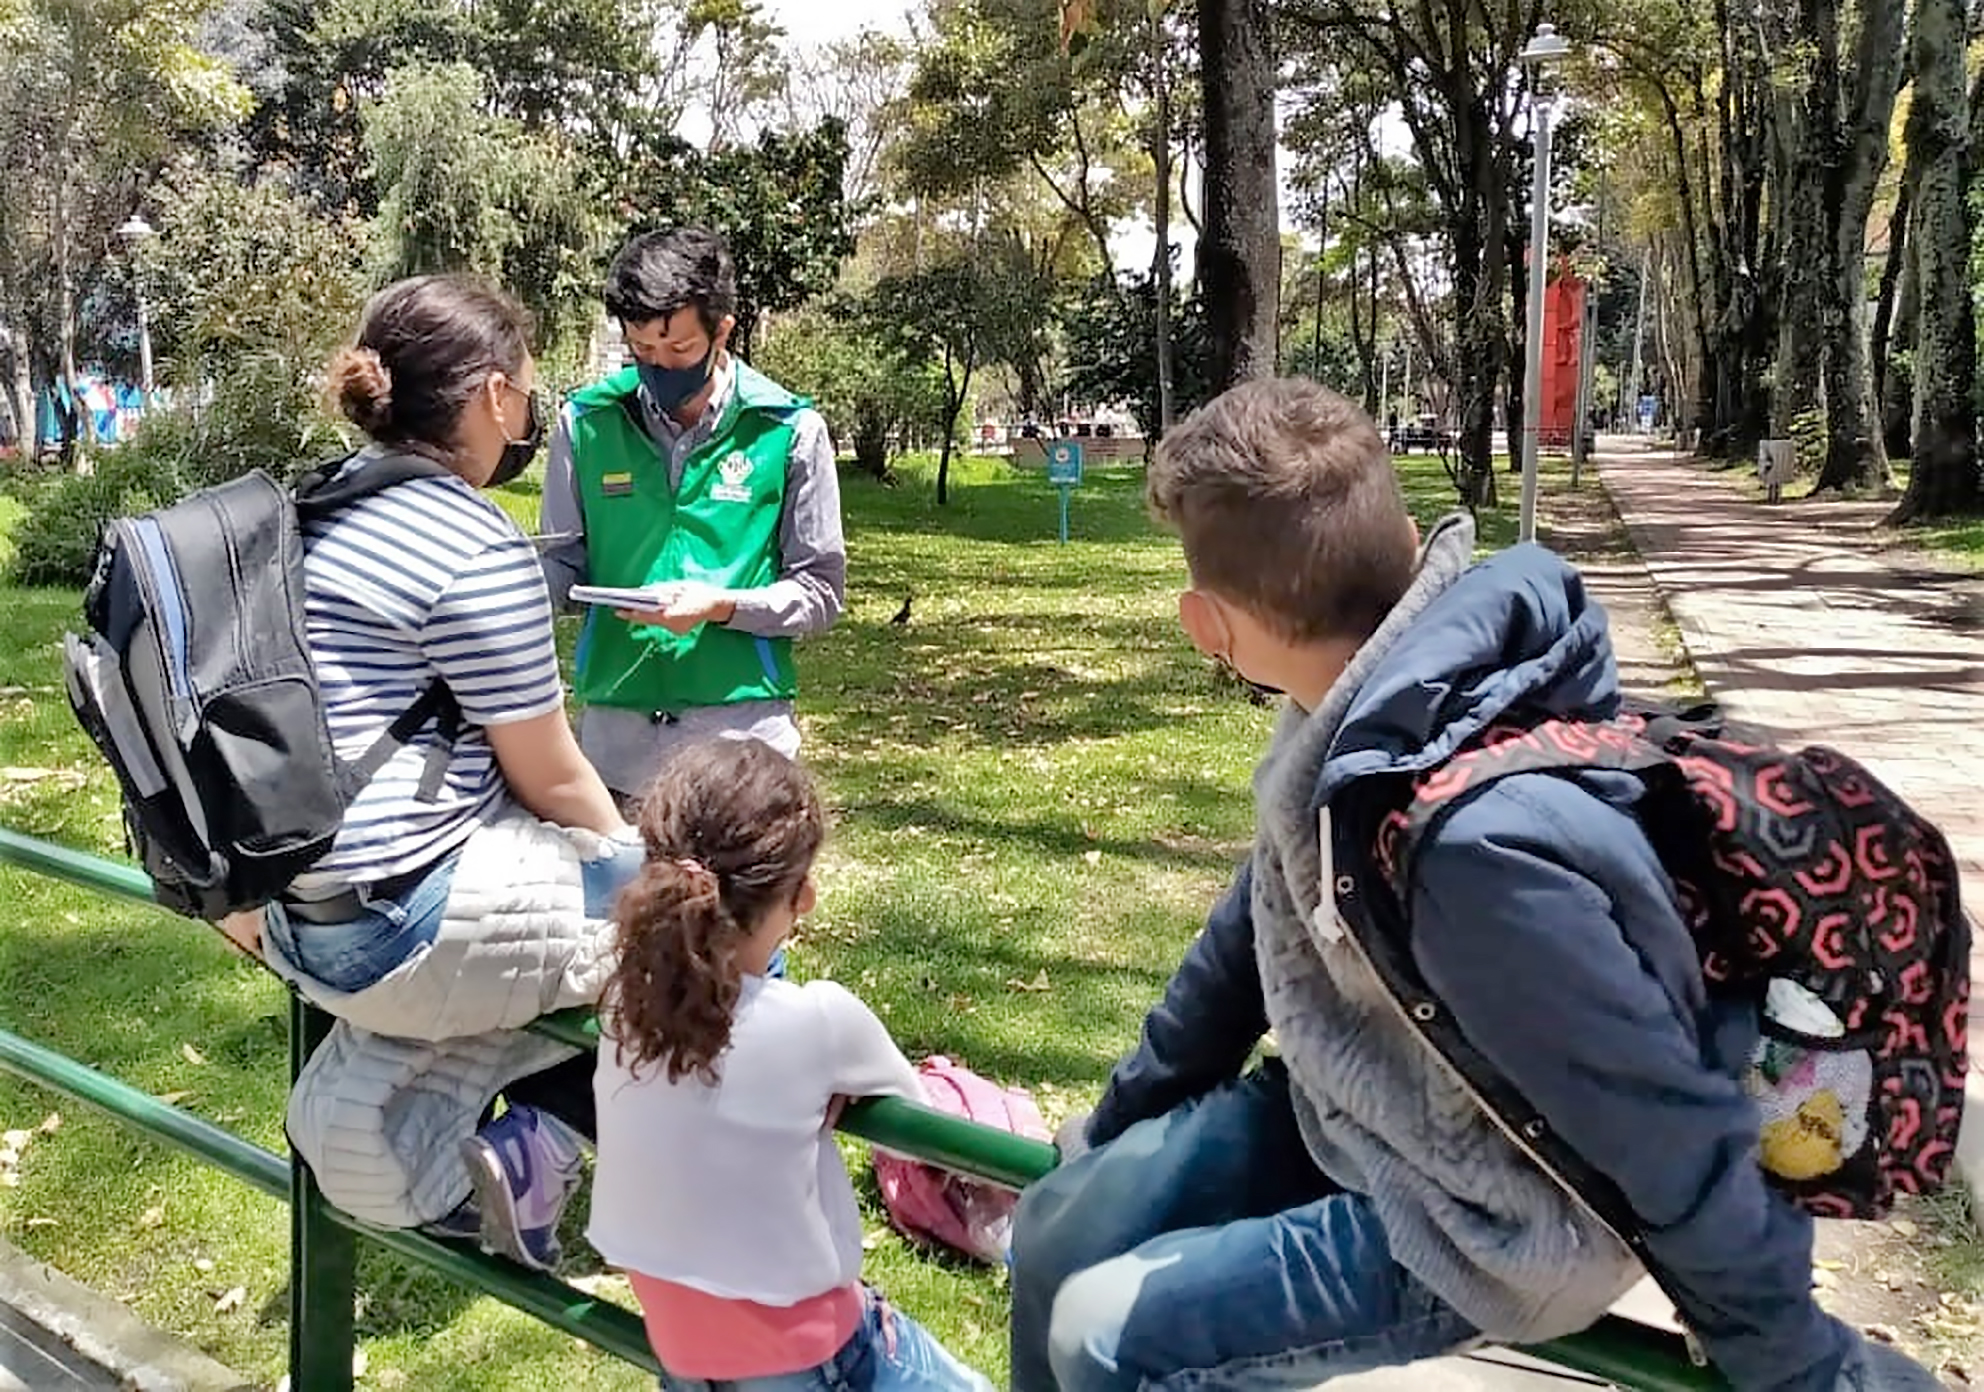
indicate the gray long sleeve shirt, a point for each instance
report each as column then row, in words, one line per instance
column 811, row 590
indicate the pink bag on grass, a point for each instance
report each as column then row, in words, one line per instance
column 933, row 1205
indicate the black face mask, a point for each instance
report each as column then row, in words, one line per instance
column 517, row 454
column 1257, row 693
column 669, row 387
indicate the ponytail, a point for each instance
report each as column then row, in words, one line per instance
column 731, row 829
column 675, row 985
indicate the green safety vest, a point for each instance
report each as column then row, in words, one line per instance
column 720, row 527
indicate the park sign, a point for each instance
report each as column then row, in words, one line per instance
column 1064, row 463
column 1064, row 471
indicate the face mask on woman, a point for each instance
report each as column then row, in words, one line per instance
column 517, row 454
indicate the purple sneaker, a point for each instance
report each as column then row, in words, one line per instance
column 525, row 1165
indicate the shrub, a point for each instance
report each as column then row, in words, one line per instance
column 55, row 543
column 256, row 418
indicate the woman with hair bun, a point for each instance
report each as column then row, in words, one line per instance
column 468, row 888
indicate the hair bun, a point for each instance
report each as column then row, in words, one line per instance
column 363, row 387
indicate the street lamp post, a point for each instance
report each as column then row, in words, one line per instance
column 1546, row 48
column 134, row 231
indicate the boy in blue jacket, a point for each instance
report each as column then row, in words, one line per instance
column 1349, row 1205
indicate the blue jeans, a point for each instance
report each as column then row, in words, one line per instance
column 890, row 1352
column 1203, row 1248
column 353, row 955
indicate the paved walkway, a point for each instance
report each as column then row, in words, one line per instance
column 1800, row 621
column 33, row 1360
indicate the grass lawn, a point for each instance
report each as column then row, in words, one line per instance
column 1038, row 790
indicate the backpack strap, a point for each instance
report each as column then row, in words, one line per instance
column 328, row 487
column 435, row 703
column 1633, row 743
column 321, row 492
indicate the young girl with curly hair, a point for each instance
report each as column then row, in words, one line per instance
column 719, row 1189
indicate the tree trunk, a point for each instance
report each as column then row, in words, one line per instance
column 1880, row 351
column 1699, row 413
column 1240, row 254
column 1806, row 245
column 1944, row 479
column 72, row 381
column 1363, row 337
column 20, row 395
column 1160, row 152
column 1855, row 459
column 1480, row 341
column 953, row 403
column 1898, row 387
column 1514, row 402
column 871, row 443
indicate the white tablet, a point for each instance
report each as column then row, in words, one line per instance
column 618, row 597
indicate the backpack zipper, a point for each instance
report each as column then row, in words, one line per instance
column 1416, row 1024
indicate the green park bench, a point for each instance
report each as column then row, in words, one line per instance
column 323, row 1241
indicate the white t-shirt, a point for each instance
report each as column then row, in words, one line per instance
column 738, row 1190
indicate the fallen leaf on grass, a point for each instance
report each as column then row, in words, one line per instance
column 192, row 1055
column 1092, row 857
column 51, row 1123
column 1903, row 1228
column 173, row 1099
column 230, row 1301
column 151, row 1218
column 1039, row 983
column 204, row 1265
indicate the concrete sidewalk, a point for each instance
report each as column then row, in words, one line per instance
column 1800, row 621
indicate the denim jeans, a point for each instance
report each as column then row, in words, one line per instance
column 352, row 956
column 1202, row 1249
column 890, row 1352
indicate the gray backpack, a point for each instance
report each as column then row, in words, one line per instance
column 195, row 680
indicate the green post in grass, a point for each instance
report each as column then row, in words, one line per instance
column 323, row 1276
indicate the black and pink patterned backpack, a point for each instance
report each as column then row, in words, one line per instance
column 1809, row 886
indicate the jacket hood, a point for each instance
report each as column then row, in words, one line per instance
column 1516, row 630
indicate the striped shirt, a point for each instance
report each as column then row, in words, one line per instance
column 427, row 579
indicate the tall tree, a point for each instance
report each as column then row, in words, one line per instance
column 780, row 202
column 586, row 71
column 93, row 95
column 1449, row 68
column 940, row 316
column 461, row 189
column 1944, row 479
column 1856, row 158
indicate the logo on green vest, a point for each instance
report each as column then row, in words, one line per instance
column 735, row 472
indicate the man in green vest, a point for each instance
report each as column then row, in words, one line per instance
column 691, row 474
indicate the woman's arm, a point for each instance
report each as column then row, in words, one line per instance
column 540, row 760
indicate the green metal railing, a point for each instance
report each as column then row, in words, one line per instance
column 323, row 1241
